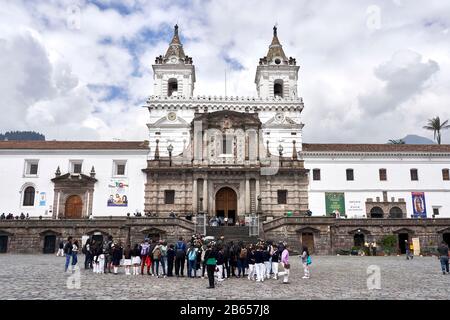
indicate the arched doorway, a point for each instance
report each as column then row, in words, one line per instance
column 49, row 244
column 446, row 238
column 226, row 204
column 3, row 244
column 358, row 240
column 74, row 207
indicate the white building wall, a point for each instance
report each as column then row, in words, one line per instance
column 367, row 184
column 12, row 169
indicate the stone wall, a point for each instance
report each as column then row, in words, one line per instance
column 27, row 236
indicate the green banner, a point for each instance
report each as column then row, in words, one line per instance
column 335, row 203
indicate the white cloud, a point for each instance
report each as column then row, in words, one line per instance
column 352, row 78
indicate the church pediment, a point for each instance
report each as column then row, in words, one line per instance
column 227, row 119
column 164, row 122
column 281, row 121
column 78, row 178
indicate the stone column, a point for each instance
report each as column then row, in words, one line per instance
column 247, row 195
column 257, row 190
column 57, row 205
column 205, row 195
column 194, row 196
column 87, row 203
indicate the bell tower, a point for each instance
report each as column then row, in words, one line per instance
column 276, row 75
column 174, row 73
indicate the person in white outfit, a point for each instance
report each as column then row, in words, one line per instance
column 259, row 264
column 275, row 263
column 60, row 252
column 285, row 264
column 136, row 259
column 251, row 263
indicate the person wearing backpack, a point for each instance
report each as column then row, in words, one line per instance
column 306, row 261
column 156, row 259
column 180, row 255
column 192, row 261
column 68, row 252
column 108, row 254
column 145, row 251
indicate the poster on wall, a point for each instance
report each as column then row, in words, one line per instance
column 42, row 199
column 335, row 203
column 419, row 206
column 118, row 193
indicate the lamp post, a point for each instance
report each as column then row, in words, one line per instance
column 170, row 149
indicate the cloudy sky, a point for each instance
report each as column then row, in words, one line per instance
column 79, row 70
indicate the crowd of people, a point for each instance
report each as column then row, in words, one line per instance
column 10, row 216
column 219, row 260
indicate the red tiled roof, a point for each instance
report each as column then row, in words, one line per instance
column 317, row 147
column 75, row 145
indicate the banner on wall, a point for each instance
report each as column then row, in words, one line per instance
column 419, row 206
column 118, row 193
column 335, row 203
column 42, row 199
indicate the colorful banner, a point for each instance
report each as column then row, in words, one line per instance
column 419, row 206
column 42, row 199
column 335, row 203
column 118, row 193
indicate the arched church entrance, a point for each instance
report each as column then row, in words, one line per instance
column 74, row 207
column 226, row 205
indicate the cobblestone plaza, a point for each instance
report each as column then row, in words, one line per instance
column 332, row 277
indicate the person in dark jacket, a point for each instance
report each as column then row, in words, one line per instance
column 251, row 263
column 87, row 250
column 443, row 257
column 211, row 261
column 275, row 262
column 259, row 264
column 68, row 252
column 180, row 257
column 170, row 260
column 117, row 255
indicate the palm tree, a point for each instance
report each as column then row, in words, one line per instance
column 399, row 141
column 436, row 126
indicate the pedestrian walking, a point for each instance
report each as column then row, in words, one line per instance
column 285, row 264
column 68, row 252
column 259, row 264
column 275, row 262
column 306, row 261
column 75, row 248
column 145, row 251
column 61, row 249
column 443, row 257
column 408, row 251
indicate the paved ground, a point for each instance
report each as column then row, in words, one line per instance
column 345, row 277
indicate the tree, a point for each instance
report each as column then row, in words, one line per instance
column 399, row 141
column 436, row 126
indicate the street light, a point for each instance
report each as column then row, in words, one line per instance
column 170, row 149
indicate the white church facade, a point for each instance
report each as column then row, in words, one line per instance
column 230, row 157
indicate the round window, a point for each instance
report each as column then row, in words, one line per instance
column 277, row 61
column 172, row 116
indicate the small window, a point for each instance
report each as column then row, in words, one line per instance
column 282, row 196
column 76, row 166
column 414, row 175
column 445, row 175
column 383, row 175
column 28, row 197
column 227, row 142
column 435, row 211
column 169, row 196
column 119, row 168
column 31, row 167
column 350, row 175
column 293, row 133
column 316, row 174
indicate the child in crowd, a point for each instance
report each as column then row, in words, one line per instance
column 127, row 259
column 306, row 261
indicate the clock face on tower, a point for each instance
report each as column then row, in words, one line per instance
column 172, row 116
column 173, row 60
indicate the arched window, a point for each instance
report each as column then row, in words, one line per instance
column 28, row 197
column 172, row 87
column 395, row 212
column 376, row 212
column 358, row 240
column 278, row 88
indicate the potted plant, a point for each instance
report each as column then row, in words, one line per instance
column 388, row 244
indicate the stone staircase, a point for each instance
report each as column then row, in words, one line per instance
column 231, row 233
